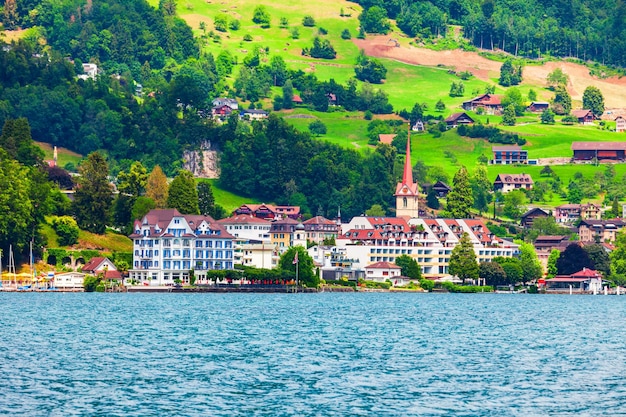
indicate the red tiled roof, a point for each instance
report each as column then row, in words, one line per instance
column 386, row 138
column 362, row 234
column 586, row 273
column 383, row 265
column 93, row 264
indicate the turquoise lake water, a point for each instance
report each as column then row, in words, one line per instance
column 376, row 354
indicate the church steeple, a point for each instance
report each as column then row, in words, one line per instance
column 407, row 191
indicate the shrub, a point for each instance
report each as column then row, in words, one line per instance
column 295, row 33
column 284, row 23
column 234, row 24
column 90, row 283
column 261, row 17
column 67, row 229
column 368, row 115
column 322, row 31
column 247, row 37
column 345, row 34
column 308, row 21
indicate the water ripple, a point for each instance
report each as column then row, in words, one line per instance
column 311, row 355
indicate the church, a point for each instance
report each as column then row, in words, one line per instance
column 369, row 240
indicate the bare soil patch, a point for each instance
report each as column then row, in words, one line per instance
column 613, row 88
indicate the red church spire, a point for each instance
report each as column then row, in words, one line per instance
column 407, row 177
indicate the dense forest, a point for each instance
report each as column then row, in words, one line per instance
column 584, row 29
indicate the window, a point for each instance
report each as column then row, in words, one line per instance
column 176, row 252
column 404, row 202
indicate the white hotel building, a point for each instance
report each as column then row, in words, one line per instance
column 168, row 245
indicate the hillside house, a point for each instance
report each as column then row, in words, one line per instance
column 318, row 229
column 489, row 103
column 269, row 211
column 441, row 189
column 545, row 244
column 386, row 138
column 332, row 99
column 254, row 114
column 584, row 117
column 222, row 101
column 567, row 213
column 509, row 154
column 90, row 71
column 529, row 217
column 509, row 182
column 599, row 231
column 538, row 106
column 296, row 99
column 221, row 112
column 457, row 119
column 620, row 124
column 609, row 151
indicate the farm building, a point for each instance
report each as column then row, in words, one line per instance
column 529, row 217
column 584, row 117
column 620, row 124
column 538, row 106
column 490, row 103
column 586, row 151
column 456, row 119
column 509, row 154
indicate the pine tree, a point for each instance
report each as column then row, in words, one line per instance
column 460, row 199
column 463, row 259
column 182, row 194
column 156, row 187
column 206, row 200
column 93, row 196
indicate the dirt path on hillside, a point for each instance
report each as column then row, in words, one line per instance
column 613, row 89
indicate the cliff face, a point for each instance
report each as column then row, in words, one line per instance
column 203, row 163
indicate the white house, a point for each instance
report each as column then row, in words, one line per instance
column 259, row 255
column 89, row 71
column 247, row 227
column 382, row 271
column 69, row 281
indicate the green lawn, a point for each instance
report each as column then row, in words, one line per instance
column 64, row 155
column 227, row 199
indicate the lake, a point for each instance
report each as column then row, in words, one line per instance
column 365, row 354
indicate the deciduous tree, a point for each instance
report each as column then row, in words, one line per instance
column 304, row 264
column 157, row 188
column 573, row 259
column 410, row 267
column 182, row 194
column 593, row 100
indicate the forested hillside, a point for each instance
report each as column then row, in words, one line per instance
column 585, row 29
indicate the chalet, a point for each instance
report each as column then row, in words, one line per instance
column 221, row 112
column 490, row 103
column 104, row 266
column 254, row 114
column 509, row 154
column 599, row 230
column 269, row 211
column 584, row 117
column 296, row 99
column 585, row 280
column 620, row 124
column 441, row 189
column 418, row 126
column 545, row 244
column 538, row 106
column 332, row 99
column 456, row 119
column 386, row 138
column 610, row 151
column 529, row 217
column 509, row 182
column 230, row 102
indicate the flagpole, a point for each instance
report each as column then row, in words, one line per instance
column 297, row 263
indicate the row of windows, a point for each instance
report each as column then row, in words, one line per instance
column 248, row 227
column 392, row 251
